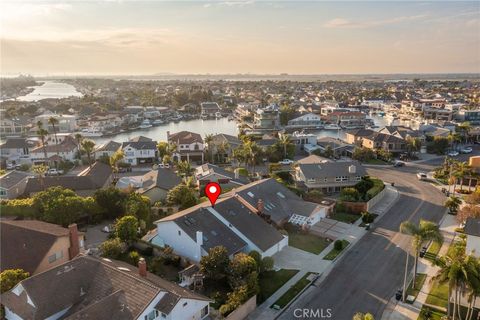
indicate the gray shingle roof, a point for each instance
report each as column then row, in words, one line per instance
column 472, row 227
column 331, row 169
column 14, row 143
column 162, row 178
column 12, row 178
column 262, row 234
column 89, row 286
column 207, row 169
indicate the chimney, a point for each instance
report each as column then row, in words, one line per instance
column 260, row 207
column 74, row 249
column 200, row 238
column 352, row 169
column 142, row 267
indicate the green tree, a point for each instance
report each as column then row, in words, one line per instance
column 413, row 145
column 9, row 278
column 287, row 113
column 209, row 143
column 78, row 140
column 284, row 142
column 115, row 159
column 215, row 265
column 138, row 206
column 162, row 147
column 54, row 122
column 42, row 133
column 40, row 170
column 266, row 264
column 329, row 151
column 363, row 316
column 88, row 146
column 111, row 248
column 182, row 196
column 111, row 201
column 424, row 231
column 363, row 154
column 241, row 266
column 452, row 204
column 184, row 169
column 126, row 229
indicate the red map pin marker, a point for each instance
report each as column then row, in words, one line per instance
column 212, row 191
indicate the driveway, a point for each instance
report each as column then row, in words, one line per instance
column 329, row 228
column 94, row 235
column 293, row 258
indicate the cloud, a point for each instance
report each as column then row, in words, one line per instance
column 240, row 3
column 344, row 23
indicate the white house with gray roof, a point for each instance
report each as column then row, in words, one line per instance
column 329, row 177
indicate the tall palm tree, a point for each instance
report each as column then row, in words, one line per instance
column 222, row 149
column 115, row 159
column 465, row 129
column 40, row 170
column 53, row 122
column 42, row 133
column 462, row 170
column 284, row 142
column 424, row 231
column 462, row 273
column 78, row 140
column 88, row 146
column 209, row 144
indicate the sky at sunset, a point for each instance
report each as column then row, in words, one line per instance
column 142, row 38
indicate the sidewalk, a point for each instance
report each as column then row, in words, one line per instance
column 320, row 266
column 397, row 310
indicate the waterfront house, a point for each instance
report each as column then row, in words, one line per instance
column 303, row 141
column 376, row 140
column 224, row 143
column 190, row 146
column 13, row 183
column 107, row 149
column 306, row 120
column 139, row 150
column 102, row 289
column 339, row 147
column 66, row 123
column 36, row 246
column 209, row 109
column 347, row 119
column 328, row 176
column 15, row 151
column 64, row 150
column 14, row 126
column 266, row 119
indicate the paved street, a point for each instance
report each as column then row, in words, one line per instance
column 368, row 275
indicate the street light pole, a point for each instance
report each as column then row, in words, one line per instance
column 404, row 293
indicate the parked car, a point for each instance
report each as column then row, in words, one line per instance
column 54, row 172
column 286, row 161
column 398, row 163
column 453, row 153
column 10, row 166
column 422, row 176
column 466, row 150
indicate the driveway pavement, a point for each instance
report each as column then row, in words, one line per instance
column 293, row 258
column 329, row 228
column 94, row 235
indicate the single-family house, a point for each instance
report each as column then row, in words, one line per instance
column 15, row 151
column 64, row 150
column 107, row 149
column 139, row 150
column 330, row 176
column 209, row 109
column 36, row 246
column 155, row 184
column 13, row 183
column 101, row 289
column 207, row 173
column 189, row 146
column 472, row 230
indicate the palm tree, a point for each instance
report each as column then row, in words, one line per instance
column 115, row 159
column 462, row 273
column 465, row 129
column 54, row 121
column 462, row 170
column 413, row 145
column 42, row 133
column 209, row 143
column 453, row 203
column 40, row 170
column 78, row 139
column 284, row 142
column 222, row 149
column 88, row 146
column 424, row 231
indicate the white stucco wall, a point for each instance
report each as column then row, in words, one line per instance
column 473, row 244
column 182, row 244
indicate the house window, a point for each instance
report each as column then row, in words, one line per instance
column 56, row 256
column 204, row 311
column 3, row 192
column 179, row 232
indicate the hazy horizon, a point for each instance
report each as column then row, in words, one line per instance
column 239, row 37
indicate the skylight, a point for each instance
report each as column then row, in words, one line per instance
column 281, row 195
column 250, row 194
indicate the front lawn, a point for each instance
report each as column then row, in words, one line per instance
column 334, row 253
column 345, row 217
column 307, row 242
column 292, row 292
column 430, row 314
column 433, row 250
column 375, row 161
column 271, row 281
column 419, row 281
column 438, row 295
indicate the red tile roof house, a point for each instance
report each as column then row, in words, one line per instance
column 36, row 246
column 102, row 289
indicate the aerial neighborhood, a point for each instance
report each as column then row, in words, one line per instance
column 104, row 202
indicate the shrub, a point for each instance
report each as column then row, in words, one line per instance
column 367, row 217
column 134, row 257
column 266, row 264
column 338, row 245
column 111, row 248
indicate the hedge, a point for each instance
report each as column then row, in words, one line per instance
column 18, row 208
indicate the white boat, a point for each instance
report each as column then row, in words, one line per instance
column 91, row 132
column 157, row 122
column 331, row 126
column 145, row 124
